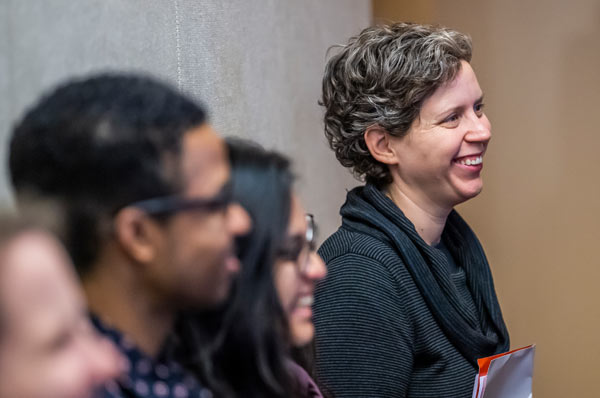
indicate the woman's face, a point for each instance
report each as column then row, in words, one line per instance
column 295, row 279
column 48, row 348
column 439, row 161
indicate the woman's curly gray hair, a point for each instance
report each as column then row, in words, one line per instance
column 381, row 77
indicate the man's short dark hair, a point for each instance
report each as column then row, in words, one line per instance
column 98, row 144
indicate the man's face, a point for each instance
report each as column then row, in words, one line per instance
column 197, row 254
column 48, row 348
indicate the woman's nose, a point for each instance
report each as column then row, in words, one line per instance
column 104, row 360
column 479, row 131
column 316, row 267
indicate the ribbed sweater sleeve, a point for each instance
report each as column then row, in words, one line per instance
column 363, row 341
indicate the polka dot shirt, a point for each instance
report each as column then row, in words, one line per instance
column 145, row 377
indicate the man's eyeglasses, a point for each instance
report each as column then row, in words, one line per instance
column 298, row 248
column 166, row 205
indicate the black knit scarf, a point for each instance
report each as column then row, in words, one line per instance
column 369, row 211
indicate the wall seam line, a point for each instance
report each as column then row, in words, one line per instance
column 177, row 45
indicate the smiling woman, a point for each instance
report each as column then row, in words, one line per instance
column 408, row 304
column 48, row 347
column 437, row 165
column 297, row 274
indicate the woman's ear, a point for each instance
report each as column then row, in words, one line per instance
column 378, row 141
column 136, row 234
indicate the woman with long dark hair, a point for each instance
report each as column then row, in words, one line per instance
column 243, row 350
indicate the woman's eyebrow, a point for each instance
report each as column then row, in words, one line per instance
column 293, row 239
column 458, row 107
column 297, row 237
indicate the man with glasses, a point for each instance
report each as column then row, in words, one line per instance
column 143, row 181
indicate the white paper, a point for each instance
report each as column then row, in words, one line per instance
column 509, row 376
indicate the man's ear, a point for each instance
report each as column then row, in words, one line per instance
column 378, row 141
column 136, row 234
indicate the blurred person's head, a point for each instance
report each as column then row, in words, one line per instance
column 297, row 269
column 269, row 309
column 143, row 179
column 280, row 246
column 48, row 348
column 403, row 105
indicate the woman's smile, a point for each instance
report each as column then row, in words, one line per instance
column 470, row 162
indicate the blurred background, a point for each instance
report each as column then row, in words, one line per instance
column 257, row 66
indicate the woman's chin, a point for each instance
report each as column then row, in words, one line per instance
column 467, row 191
column 302, row 332
column 475, row 191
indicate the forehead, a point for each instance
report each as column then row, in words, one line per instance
column 37, row 280
column 205, row 162
column 297, row 217
column 463, row 90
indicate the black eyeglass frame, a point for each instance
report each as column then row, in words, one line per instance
column 166, row 205
column 301, row 255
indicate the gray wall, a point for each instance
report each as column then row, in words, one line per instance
column 256, row 64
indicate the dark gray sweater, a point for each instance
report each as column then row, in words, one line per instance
column 385, row 329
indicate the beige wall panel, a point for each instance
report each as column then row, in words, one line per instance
column 539, row 66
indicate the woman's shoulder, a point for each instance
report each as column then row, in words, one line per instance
column 346, row 243
column 355, row 258
column 308, row 387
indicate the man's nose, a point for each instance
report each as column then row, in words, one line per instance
column 238, row 219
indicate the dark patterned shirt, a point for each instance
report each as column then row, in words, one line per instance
column 146, row 377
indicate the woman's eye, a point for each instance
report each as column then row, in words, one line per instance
column 291, row 249
column 479, row 109
column 294, row 253
column 451, row 121
column 60, row 341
